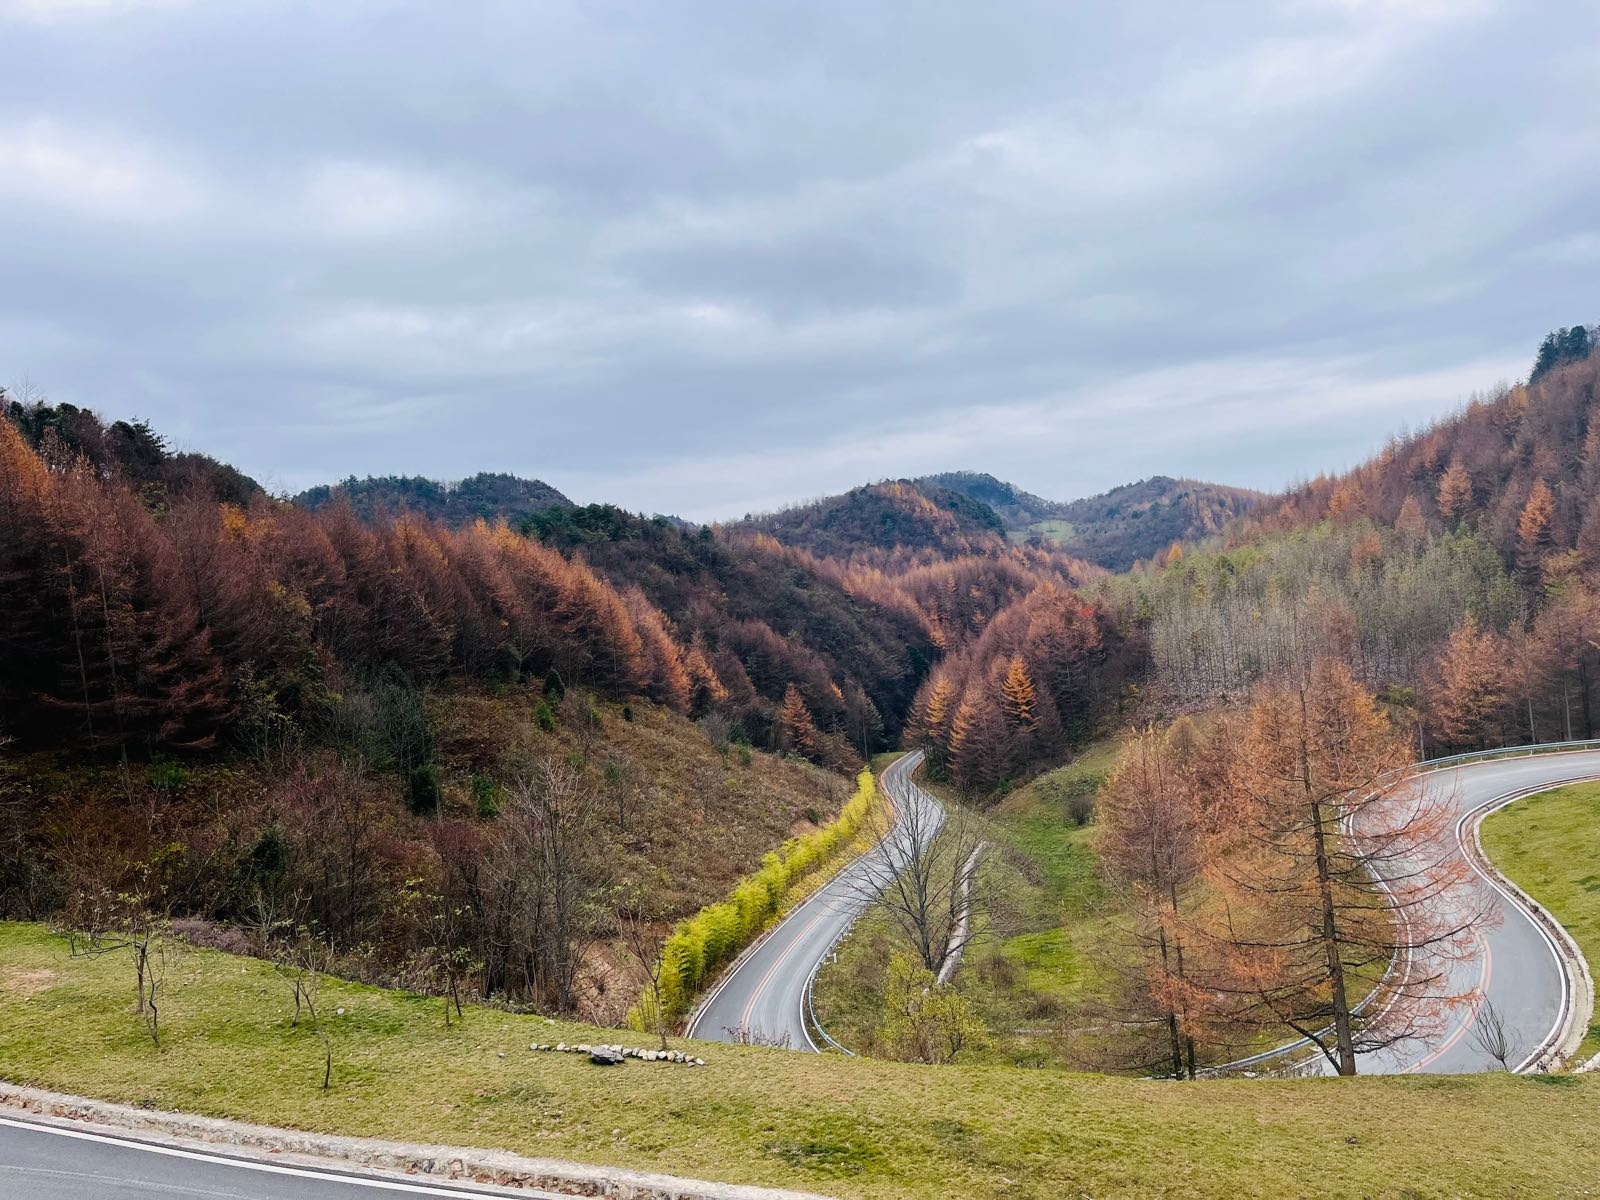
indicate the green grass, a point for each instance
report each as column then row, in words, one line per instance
column 850, row 1128
column 1547, row 844
column 1059, row 898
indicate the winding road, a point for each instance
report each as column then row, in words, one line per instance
column 1515, row 966
column 763, row 997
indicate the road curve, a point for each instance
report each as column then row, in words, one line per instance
column 763, row 998
column 1515, row 965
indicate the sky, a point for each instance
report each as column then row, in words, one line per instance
column 710, row 259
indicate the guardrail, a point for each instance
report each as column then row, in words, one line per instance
column 1529, row 751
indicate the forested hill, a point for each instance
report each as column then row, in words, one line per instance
column 899, row 515
column 487, row 496
column 1520, row 468
column 1116, row 529
column 1457, row 573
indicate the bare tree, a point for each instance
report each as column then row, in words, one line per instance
column 543, row 883
column 919, row 874
column 640, row 945
column 99, row 921
column 1493, row 1034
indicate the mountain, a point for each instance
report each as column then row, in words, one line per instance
column 1113, row 530
column 489, row 496
column 914, row 515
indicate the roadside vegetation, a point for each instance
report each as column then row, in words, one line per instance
column 701, row 945
column 1545, row 844
column 852, row 1128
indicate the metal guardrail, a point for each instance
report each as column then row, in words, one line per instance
column 1529, row 751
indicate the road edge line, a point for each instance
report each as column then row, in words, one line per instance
column 380, row 1158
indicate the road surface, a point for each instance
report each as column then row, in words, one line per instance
column 47, row 1162
column 763, row 998
column 1514, row 965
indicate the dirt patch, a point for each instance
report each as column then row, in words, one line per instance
column 15, row 981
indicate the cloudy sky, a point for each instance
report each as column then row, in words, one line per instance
column 710, row 258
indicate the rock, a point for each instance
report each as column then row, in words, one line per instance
column 605, row 1056
column 583, row 1048
column 562, row 1047
column 699, row 1062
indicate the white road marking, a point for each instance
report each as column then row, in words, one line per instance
column 383, row 1185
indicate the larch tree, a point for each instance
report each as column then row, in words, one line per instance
column 1333, row 877
column 1470, row 687
column 1534, row 539
column 1411, row 522
column 1455, row 493
column 1151, row 845
column 800, row 733
column 1020, row 702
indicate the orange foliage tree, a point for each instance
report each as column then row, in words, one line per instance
column 1330, row 877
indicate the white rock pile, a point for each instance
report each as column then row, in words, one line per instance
column 666, row 1056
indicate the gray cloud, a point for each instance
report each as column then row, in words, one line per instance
column 708, row 258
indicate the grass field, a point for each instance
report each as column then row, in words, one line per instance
column 1548, row 845
column 843, row 1127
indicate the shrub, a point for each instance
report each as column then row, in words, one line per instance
column 485, row 796
column 545, row 716
column 423, row 790
column 701, row 944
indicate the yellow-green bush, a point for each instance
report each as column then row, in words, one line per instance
column 699, row 945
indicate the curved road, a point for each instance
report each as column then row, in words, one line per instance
column 1514, row 967
column 762, row 999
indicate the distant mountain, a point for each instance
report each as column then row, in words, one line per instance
column 1114, row 530
column 487, row 495
column 883, row 517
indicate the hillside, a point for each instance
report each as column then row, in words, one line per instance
column 1520, row 467
column 660, row 820
column 1457, row 572
column 486, row 496
column 1116, row 529
column 884, row 517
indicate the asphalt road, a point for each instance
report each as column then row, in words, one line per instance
column 1513, row 964
column 43, row 1162
column 763, row 998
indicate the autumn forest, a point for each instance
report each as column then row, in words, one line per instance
column 479, row 738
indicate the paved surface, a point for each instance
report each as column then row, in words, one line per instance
column 40, row 1162
column 763, row 998
column 1514, row 964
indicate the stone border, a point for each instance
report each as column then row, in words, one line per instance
column 496, row 1169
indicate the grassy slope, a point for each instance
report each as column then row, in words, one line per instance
column 847, row 1127
column 1020, row 981
column 1547, row 843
